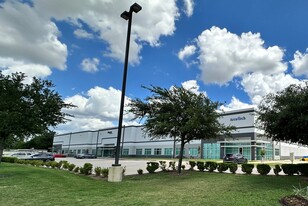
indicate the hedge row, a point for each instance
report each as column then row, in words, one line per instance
column 210, row 166
column 87, row 168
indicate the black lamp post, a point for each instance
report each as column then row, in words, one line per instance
column 127, row 16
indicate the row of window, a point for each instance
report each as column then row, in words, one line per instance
column 160, row 151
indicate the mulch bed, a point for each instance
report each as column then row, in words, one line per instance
column 294, row 200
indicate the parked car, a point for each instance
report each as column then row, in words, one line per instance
column 59, row 155
column 45, row 157
column 84, row 156
column 304, row 158
column 235, row 158
column 21, row 155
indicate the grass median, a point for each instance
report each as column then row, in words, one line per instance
column 27, row 185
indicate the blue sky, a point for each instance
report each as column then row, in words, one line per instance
column 234, row 51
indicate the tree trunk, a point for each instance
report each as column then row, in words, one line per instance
column 181, row 156
column 2, row 140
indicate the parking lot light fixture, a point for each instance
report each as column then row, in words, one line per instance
column 127, row 16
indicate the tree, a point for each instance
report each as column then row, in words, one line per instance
column 284, row 115
column 41, row 141
column 178, row 113
column 28, row 109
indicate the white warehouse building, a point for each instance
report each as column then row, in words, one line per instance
column 247, row 139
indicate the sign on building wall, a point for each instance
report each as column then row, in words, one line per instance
column 244, row 119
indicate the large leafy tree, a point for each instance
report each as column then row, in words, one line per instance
column 28, row 109
column 41, row 141
column 179, row 113
column 284, row 115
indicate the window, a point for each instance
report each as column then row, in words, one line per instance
column 277, row 152
column 125, row 151
column 148, row 151
column 212, row 150
column 168, row 151
column 193, row 152
column 138, row 151
column 177, row 151
column 157, row 151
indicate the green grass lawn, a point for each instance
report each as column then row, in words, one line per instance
column 27, row 185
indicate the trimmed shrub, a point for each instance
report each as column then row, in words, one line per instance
column 105, row 172
column 59, row 165
column 71, row 167
column 53, row 164
column 303, row 169
column 19, row 161
column 140, row 171
column 263, row 169
column 192, row 165
column 65, row 165
column 232, row 167
column 183, row 167
column 76, row 169
column 200, row 166
column 81, row 170
column 47, row 164
column 87, row 168
column 9, row 159
column 152, row 166
column 247, row 168
column 211, row 166
column 277, row 169
column 37, row 163
column 289, row 169
column 221, row 167
column 98, row 171
column 172, row 165
column 163, row 165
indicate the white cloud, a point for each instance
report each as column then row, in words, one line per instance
column 186, row 52
column 235, row 104
column 192, row 85
column 257, row 85
column 9, row 66
column 300, row 63
column 80, row 33
column 83, row 124
column 27, row 37
column 156, row 19
column 189, row 7
column 90, row 65
column 29, row 33
column 224, row 55
column 98, row 109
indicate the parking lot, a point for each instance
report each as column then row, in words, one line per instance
column 132, row 165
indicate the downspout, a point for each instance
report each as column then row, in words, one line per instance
column 69, row 143
column 123, row 133
column 97, row 142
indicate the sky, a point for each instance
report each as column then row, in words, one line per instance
column 235, row 52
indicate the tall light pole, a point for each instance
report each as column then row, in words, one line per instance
column 127, row 15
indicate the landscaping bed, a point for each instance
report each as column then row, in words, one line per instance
column 294, row 200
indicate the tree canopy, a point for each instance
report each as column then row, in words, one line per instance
column 284, row 115
column 178, row 113
column 28, row 109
